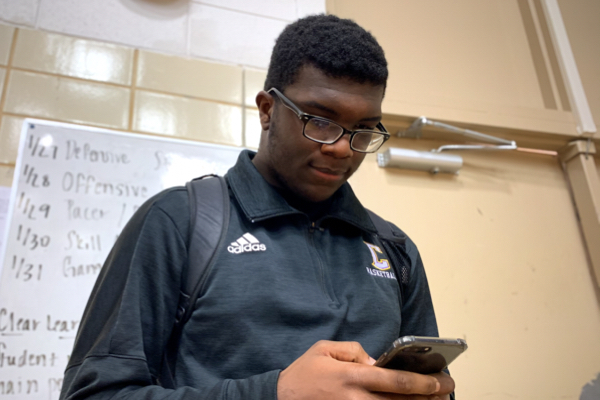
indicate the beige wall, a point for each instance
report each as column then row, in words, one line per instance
column 480, row 63
column 501, row 241
column 582, row 21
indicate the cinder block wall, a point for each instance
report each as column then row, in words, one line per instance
column 187, row 69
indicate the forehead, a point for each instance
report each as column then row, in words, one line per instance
column 314, row 86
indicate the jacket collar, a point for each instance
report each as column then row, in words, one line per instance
column 259, row 200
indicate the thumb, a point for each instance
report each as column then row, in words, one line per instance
column 345, row 351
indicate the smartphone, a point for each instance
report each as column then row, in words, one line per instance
column 423, row 355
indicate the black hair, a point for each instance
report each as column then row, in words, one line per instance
column 338, row 47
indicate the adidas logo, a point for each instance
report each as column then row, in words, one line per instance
column 247, row 243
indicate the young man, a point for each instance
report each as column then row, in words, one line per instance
column 298, row 316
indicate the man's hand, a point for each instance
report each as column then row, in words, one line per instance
column 343, row 370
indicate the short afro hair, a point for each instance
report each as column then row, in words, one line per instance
column 338, row 47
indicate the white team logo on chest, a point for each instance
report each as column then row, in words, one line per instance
column 246, row 244
column 383, row 268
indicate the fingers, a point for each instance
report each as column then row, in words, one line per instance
column 381, row 379
column 388, row 396
column 446, row 382
column 343, row 370
column 344, row 351
column 376, row 379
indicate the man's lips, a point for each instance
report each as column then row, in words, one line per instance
column 330, row 173
column 331, row 170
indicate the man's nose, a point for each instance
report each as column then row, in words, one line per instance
column 339, row 149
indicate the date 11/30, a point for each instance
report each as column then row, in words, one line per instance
column 31, row 240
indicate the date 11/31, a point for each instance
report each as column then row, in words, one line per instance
column 26, row 271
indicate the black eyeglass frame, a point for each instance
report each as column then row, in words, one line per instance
column 304, row 117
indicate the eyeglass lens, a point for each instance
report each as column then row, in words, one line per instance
column 324, row 131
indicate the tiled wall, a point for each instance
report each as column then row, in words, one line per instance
column 241, row 32
column 64, row 78
column 185, row 68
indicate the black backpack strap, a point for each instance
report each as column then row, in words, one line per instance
column 384, row 229
column 209, row 220
column 393, row 244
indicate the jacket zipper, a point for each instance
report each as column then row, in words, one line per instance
column 325, row 283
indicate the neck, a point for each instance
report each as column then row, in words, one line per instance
column 314, row 210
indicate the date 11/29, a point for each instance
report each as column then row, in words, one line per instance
column 25, row 271
column 31, row 210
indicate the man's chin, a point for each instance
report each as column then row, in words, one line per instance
column 316, row 194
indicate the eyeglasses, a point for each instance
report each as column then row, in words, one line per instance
column 325, row 131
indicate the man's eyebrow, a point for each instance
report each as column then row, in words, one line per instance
column 319, row 106
column 374, row 119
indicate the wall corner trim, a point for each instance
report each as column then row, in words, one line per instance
column 568, row 67
column 575, row 148
column 581, row 172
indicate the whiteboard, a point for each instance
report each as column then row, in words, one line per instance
column 74, row 189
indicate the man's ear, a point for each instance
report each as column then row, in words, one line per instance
column 265, row 103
